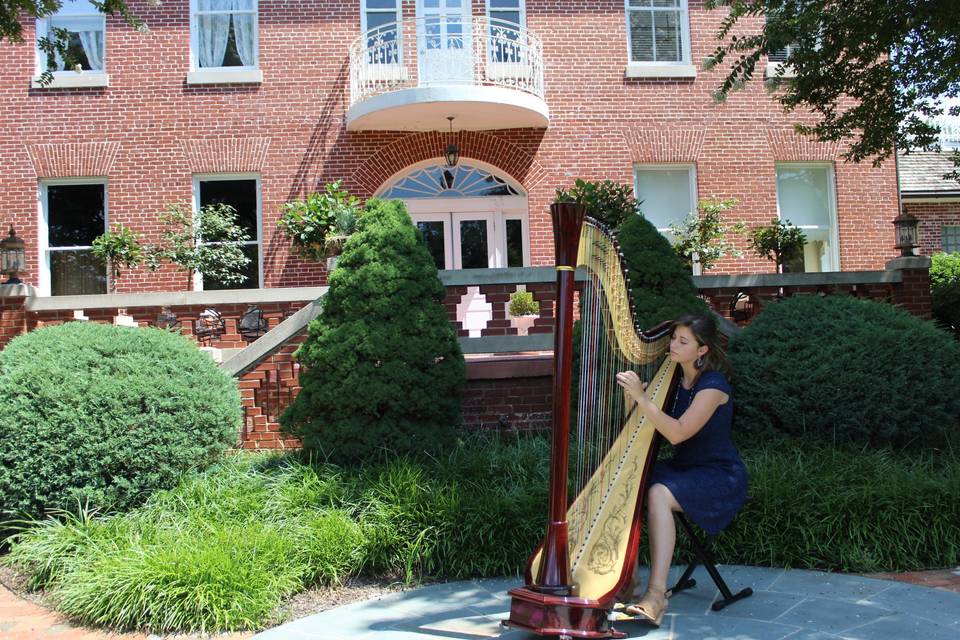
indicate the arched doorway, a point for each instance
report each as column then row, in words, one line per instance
column 471, row 217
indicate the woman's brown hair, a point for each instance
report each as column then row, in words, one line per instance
column 704, row 329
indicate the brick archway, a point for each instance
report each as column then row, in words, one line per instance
column 418, row 147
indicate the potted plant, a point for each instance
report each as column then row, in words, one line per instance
column 319, row 225
column 524, row 310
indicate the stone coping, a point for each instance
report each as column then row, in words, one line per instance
column 742, row 281
column 175, row 299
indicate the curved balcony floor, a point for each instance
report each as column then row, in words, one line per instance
column 427, row 108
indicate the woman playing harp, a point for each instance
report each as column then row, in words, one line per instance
column 589, row 550
column 706, row 479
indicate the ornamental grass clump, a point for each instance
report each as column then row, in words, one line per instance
column 839, row 369
column 105, row 415
column 383, row 368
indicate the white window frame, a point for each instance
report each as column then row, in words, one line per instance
column 954, row 231
column 774, row 66
column 522, row 8
column 691, row 173
column 502, row 70
column 833, row 229
column 43, row 228
column 224, row 177
column 249, row 74
column 682, row 68
column 68, row 79
column 385, row 71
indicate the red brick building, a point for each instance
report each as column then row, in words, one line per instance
column 256, row 102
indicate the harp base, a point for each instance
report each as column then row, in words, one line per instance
column 565, row 617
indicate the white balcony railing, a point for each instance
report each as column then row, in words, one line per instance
column 445, row 50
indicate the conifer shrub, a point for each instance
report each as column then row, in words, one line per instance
column 383, row 368
column 840, row 369
column 104, row 415
column 660, row 284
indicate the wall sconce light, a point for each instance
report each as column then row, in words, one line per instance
column 13, row 259
column 452, row 151
column 907, row 236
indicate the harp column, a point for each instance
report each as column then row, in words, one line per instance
column 554, row 575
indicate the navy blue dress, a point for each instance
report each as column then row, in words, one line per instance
column 706, row 474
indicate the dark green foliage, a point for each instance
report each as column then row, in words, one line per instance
column 897, row 59
column 945, row 290
column 225, row 548
column 608, row 202
column 383, row 366
column 841, row 369
column 479, row 511
column 661, row 286
column 106, row 415
column 817, row 507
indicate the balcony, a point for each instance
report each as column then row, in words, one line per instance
column 412, row 75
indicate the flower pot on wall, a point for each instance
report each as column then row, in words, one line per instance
column 523, row 323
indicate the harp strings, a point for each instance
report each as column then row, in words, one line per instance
column 601, row 411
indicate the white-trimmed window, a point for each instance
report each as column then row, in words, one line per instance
column 950, row 238
column 86, row 29
column 806, row 196
column 658, row 32
column 507, row 21
column 380, row 20
column 667, row 193
column 242, row 192
column 73, row 213
column 224, row 41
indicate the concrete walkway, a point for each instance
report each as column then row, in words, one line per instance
column 799, row 605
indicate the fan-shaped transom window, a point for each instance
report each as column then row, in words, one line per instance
column 441, row 181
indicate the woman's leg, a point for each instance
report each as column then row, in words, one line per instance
column 662, row 532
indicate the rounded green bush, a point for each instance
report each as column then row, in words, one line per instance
column 945, row 290
column 384, row 369
column 104, row 415
column 842, row 369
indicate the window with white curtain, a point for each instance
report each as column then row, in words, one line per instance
column 224, row 34
column 379, row 20
column 658, row 31
column 666, row 193
column 806, row 197
column 85, row 28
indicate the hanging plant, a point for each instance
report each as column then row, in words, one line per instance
column 319, row 226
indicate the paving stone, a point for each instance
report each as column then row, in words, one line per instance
column 831, row 615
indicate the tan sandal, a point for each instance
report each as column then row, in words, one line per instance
column 651, row 607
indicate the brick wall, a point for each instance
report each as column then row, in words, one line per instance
column 932, row 216
column 149, row 133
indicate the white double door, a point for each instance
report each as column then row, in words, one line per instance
column 444, row 42
column 473, row 233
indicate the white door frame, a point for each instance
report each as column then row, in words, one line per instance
column 495, row 209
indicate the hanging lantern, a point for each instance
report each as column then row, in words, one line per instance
column 452, row 152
